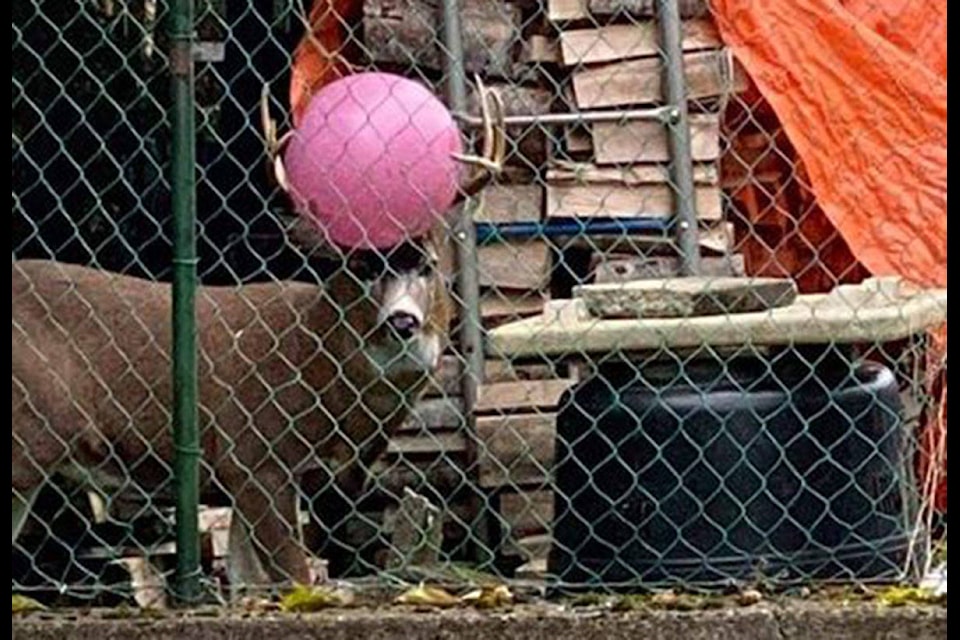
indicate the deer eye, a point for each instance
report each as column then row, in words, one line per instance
column 427, row 267
column 366, row 266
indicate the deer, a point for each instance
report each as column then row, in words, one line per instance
column 292, row 376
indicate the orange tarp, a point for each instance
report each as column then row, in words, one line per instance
column 324, row 51
column 867, row 117
column 860, row 90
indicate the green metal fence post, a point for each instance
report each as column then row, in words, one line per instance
column 185, row 430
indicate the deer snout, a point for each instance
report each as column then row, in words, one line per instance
column 404, row 305
column 404, row 324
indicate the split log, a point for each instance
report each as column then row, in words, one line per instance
column 639, row 82
column 626, row 201
column 517, row 265
column 407, row 33
column 626, row 41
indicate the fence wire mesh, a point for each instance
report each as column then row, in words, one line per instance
column 677, row 452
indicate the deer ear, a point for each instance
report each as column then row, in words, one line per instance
column 439, row 241
column 438, row 234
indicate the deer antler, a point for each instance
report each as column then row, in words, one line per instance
column 274, row 146
column 490, row 163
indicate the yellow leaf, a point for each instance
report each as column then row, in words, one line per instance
column 673, row 601
column 304, row 599
column 489, row 597
column 23, row 604
column 901, row 596
column 427, row 596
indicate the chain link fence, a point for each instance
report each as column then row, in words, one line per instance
column 597, row 453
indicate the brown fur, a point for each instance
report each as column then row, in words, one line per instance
column 286, row 379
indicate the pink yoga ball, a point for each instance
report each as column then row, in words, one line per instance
column 371, row 161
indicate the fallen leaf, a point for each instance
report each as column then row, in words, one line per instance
column 255, row 604
column 630, row 603
column 23, row 604
column 489, row 597
column 427, row 596
column 902, row 596
column 588, row 600
column 749, row 597
column 675, row 602
column 304, row 599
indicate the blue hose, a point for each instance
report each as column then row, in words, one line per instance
column 489, row 233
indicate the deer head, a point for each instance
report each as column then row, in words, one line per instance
column 404, row 283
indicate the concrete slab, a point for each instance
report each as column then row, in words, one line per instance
column 685, row 297
column 879, row 310
column 536, row 622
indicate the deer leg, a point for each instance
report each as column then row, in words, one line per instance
column 244, row 569
column 268, row 505
column 36, row 454
column 22, row 504
column 38, row 449
column 331, row 501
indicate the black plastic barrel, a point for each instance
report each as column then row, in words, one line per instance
column 711, row 471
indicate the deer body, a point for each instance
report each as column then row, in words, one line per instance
column 292, row 377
